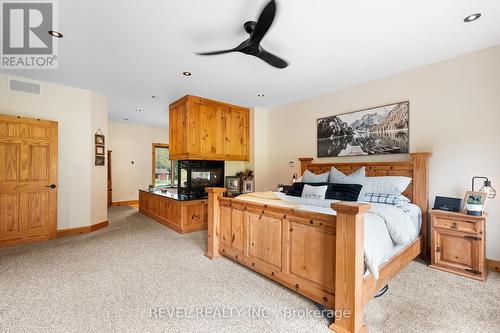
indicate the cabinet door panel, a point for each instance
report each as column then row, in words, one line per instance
column 265, row 238
column 312, row 254
column 225, row 225
column 237, row 228
column 456, row 251
column 235, row 130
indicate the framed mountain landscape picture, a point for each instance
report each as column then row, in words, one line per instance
column 375, row 131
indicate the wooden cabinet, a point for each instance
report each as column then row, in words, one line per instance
column 181, row 216
column 205, row 129
column 458, row 244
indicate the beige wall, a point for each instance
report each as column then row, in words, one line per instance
column 99, row 174
column 73, row 109
column 132, row 142
column 454, row 113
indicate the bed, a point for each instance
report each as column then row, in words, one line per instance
column 315, row 252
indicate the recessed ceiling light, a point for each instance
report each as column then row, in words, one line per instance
column 138, row 110
column 260, row 95
column 154, row 97
column 55, row 34
column 126, row 119
column 186, row 73
column 472, row 17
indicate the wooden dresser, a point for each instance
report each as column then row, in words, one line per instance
column 203, row 129
column 458, row 244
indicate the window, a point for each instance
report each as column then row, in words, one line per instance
column 164, row 170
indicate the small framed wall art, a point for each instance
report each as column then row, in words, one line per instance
column 99, row 139
column 99, row 150
column 100, row 160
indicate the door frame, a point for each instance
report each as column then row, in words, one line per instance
column 109, row 179
column 53, row 173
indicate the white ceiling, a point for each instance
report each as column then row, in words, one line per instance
column 131, row 50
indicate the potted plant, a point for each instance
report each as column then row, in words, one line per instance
column 474, row 205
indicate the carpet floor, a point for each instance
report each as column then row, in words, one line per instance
column 137, row 275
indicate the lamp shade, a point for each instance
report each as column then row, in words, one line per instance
column 489, row 190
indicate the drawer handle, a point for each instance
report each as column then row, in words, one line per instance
column 454, row 225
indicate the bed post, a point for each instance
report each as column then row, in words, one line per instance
column 420, row 164
column 304, row 163
column 349, row 267
column 214, row 193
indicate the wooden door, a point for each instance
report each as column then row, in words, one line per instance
column 457, row 251
column 28, row 180
column 110, row 181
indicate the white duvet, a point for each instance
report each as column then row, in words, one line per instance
column 387, row 227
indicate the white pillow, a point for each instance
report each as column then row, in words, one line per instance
column 314, row 192
column 357, row 177
column 386, row 185
column 309, row 177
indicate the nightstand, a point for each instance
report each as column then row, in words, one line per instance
column 458, row 243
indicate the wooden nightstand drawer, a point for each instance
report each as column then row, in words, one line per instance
column 464, row 226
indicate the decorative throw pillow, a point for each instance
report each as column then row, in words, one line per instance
column 357, row 177
column 386, row 184
column 314, row 192
column 309, row 177
column 386, row 198
column 343, row 192
column 298, row 187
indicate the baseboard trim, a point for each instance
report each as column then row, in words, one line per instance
column 81, row 230
column 493, row 265
column 125, row 203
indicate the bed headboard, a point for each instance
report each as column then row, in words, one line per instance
column 417, row 168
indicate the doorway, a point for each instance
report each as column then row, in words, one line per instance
column 28, row 180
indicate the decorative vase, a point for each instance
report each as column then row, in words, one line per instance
column 474, row 209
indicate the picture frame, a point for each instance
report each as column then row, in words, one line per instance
column 476, row 204
column 233, row 185
column 379, row 130
column 99, row 139
column 100, row 160
column 247, row 186
column 100, row 150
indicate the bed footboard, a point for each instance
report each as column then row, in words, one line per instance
column 320, row 256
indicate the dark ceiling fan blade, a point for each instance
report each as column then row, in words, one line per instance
column 218, row 52
column 271, row 59
column 264, row 22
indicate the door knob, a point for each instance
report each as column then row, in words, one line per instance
column 51, row 186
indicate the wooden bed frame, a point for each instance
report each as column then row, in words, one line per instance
column 318, row 255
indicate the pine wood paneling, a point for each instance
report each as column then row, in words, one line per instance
column 312, row 255
column 265, row 238
column 205, row 129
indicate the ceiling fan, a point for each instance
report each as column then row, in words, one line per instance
column 257, row 31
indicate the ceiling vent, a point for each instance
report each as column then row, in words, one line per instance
column 24, row 87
